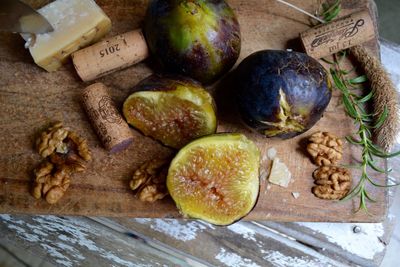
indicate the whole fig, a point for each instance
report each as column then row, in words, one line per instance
column 281, row 93
column 196, row 38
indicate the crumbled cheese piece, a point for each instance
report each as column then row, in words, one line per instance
column 280, row 174
column 296, row 195
column 76, row 23
column 271, row 153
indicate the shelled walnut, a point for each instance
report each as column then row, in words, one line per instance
column 325, row 148
column 58, row 139
column 65, row 153
column 149, row 181
column 331, row 182
column 51, row 140
column 51, row 182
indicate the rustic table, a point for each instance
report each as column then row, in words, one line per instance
column 74, row 241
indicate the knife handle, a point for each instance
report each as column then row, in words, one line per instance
column 110, row 55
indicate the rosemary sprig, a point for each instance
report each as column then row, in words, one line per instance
column 330, row 12
column 354, row 106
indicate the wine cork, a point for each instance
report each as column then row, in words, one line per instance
column 110, row 55
column 327, row 39
column 108, row 123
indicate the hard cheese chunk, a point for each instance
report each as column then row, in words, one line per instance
column 76, row 23
column 280, row 174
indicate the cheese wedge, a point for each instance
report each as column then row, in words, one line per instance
column 280, row 174
column 76, row 23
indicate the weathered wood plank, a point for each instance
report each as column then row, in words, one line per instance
column 196, row 243
column 79, row 241
column 240, row 244
column 8, row 258
column 339, row 241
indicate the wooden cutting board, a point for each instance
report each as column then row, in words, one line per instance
column 31, row 98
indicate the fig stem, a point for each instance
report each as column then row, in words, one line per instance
column 301, row 10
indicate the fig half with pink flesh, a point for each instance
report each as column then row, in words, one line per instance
column 216, row 178
column 172, row 110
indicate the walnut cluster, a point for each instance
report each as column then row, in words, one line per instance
column 331, row 182
column 149, row 181
column 325, row 148
column 65, row 153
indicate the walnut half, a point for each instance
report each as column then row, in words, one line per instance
column 325, row 148
column 65, row 153
column 331, row 182
column 149, row 180
column 59, row 139
column 51, row 140
column 51, row 182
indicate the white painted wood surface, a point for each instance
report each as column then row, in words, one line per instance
column 76, row 241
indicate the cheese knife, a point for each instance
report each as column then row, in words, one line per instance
column 16, row 16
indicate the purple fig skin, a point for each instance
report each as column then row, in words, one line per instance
column 280, row 93
column 196, row 38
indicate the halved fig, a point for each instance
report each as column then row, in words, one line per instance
column 172, row 110
column 216, row 178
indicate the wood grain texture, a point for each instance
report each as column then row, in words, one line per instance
column 78, row 242
column 159, row 242
column 31, row 98
column 250, row 243
column 339, row 241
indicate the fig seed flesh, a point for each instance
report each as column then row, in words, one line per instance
column 173, row 111
column 216, row 178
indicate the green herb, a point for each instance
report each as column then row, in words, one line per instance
column 330, row 12
column 354, row 106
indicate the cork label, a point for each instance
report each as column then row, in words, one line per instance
column 101, row 128
column 96, row 115
column 327, row 39
column 108, row 123
column 110, row 55
column 109, row 50
column 108, row 111
column 332, row 37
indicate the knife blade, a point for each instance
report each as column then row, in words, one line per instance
column 16, row 16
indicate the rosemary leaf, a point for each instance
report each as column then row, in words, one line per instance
column 358, row 80
column 353, row 141
column 376, row 168
column 380, row 185
column 369, row 197
column 327, row 61
column 331, row 12
column 381, row 118
column 365, row 98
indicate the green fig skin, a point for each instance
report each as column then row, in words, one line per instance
column 196, row 38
